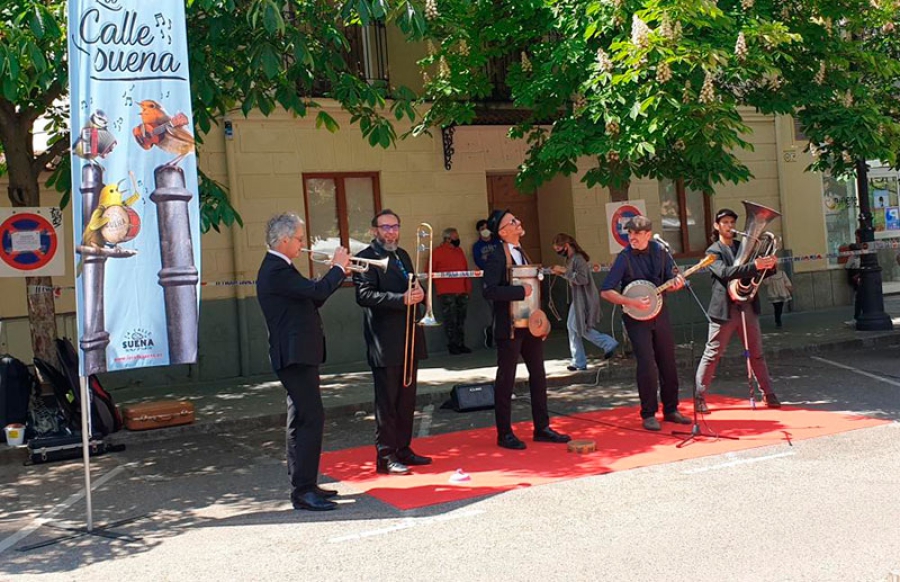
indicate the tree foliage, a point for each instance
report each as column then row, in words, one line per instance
column 654, row 88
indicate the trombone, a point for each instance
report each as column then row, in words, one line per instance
column 424, row 238
column 357, row 264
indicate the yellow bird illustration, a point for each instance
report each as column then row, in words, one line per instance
column 110, row 197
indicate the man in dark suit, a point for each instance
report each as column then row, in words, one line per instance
column 290, row 303
column 726, row 314
column 514, row 341
column 386, row 298
column 651, row 339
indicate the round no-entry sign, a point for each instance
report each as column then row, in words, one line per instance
column 618, row 221
column 27, row 241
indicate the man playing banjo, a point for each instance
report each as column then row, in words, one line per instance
column 654, row 345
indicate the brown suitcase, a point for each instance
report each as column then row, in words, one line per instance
column 159, row 414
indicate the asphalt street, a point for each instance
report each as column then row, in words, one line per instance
column 215, row 506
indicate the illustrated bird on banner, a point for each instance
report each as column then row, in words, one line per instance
column 167, row 133
column 94, row 139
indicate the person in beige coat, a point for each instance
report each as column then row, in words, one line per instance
column 779, row 289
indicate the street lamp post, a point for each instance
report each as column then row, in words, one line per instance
column 872, row 316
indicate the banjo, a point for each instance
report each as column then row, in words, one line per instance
column 644, row 288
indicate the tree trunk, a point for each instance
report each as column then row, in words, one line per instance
column 24, row 190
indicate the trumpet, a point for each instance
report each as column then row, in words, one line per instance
column 357, row 264
column 424, row 236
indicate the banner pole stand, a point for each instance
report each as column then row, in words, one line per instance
column 88, row 530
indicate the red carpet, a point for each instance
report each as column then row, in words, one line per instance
column 621, row 444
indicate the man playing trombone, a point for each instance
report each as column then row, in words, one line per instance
column 388, row 298
column 290, row 303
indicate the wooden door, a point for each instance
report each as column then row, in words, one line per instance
column 502, row 193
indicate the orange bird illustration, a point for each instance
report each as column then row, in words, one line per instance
column 167, row 133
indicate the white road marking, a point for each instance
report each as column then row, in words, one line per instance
column 425, row 423
column 737, row 462
column 47, row 517
column 858, row 371
column 406, row 524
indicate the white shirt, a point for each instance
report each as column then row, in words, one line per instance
column 277, row 254
column 515, row 254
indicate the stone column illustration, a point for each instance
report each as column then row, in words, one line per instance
column 178, row 276
column 95, row 337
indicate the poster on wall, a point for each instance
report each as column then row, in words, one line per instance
column 892, row 218
column 617, row 216
column 32, row 242
column 136, row 214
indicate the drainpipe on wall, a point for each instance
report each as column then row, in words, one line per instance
column 237, row 250
column 783, row 157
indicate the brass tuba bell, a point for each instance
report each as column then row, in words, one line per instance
column 757, row 243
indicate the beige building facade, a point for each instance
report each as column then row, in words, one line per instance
column 336, row 181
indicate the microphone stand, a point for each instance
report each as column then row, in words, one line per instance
column 696, row 431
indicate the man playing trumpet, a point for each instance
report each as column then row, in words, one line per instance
column 513, row 342
column 290, row 303
column 386, row 297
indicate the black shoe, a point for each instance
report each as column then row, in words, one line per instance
column 312, row 502
column 453, row 350
column 463, row 349
column 677, row 418
column 509, row 441
column 548, row 435
column 414, row 459
column 325, row 493
column 576, row 368
column 650, row 423
column 772, row 401
column 609, row 355
column 391, row 467
column 700, row 404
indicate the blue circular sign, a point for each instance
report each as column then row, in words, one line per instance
column 31, row 259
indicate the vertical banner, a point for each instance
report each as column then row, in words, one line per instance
column 136, row 213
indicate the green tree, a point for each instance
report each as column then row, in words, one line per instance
column 255, row 54
column 654, row 88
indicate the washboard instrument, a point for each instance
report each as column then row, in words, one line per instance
column 644, row 288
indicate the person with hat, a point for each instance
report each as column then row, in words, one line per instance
column 726, row 315
column 652, row 339
column 513, row 341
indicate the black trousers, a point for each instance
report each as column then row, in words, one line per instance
column 654, row 349
column 508, row 351
column 305, row 425
column 395, row 407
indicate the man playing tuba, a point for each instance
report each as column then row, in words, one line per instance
column 725, row 311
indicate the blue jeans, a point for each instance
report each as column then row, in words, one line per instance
column 576, row 346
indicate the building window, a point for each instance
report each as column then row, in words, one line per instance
column 686, row 222
column 339, row 211
column 839, row 205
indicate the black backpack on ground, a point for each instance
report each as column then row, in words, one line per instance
column 16, row 384
column 102, row 403
column 63, row 394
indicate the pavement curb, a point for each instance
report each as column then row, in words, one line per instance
column 610, row 370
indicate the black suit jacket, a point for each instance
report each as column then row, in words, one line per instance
column 496, row 288
column 290, row 303
column 723, row 271
column 380, row 294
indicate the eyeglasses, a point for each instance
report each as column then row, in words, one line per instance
column 511, row 222
column 389, row 227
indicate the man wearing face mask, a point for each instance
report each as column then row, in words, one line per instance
column 482, row 250
column 453, row 292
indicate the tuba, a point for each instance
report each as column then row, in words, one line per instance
column 757, row 243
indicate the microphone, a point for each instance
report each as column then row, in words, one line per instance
column 661, row 241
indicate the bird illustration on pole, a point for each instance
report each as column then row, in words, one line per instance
column 94, row 139
column 166, row 132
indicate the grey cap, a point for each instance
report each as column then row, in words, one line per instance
column 639, row 224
